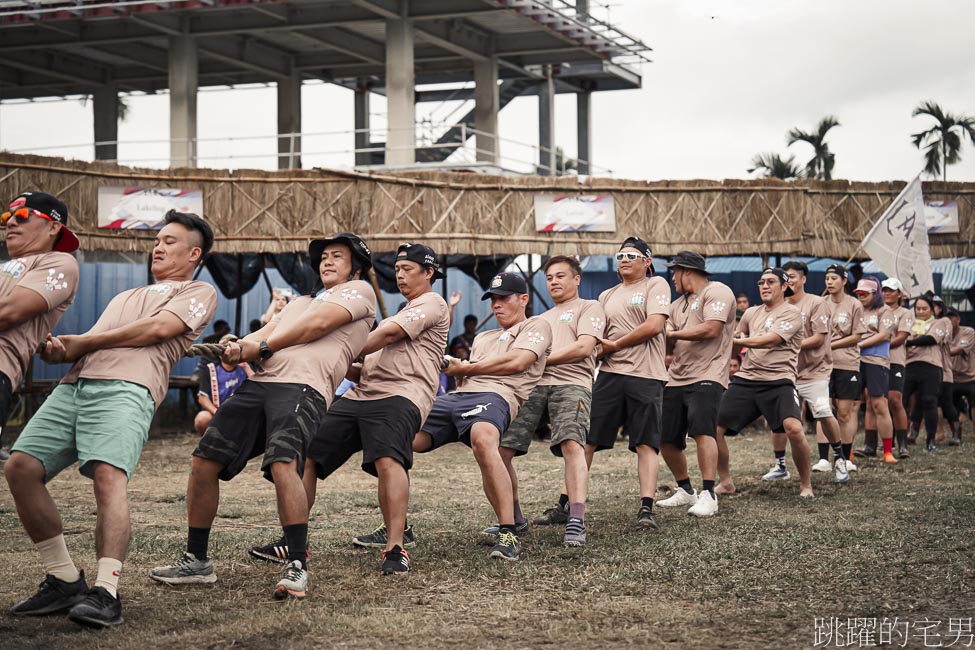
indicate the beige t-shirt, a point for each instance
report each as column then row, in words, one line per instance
column 532, row 334
column 694, row 361
column 877, row 320
column 845, row 319
column 815, row 364
column 410, row 367
column 778, row 363
column 192, row 301
column 323, row 363
column 903, row 320
column 55, row 277
column 964, row 363
column 940, row 330
column 570, row 320
column 628, row 306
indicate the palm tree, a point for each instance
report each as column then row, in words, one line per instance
column 772, row 165
column 942, row 142
column 821, row 164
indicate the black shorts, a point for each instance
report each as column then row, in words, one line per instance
column 875, row 379
column 454, row 414
column 964, row 396
column 746, row 400
column 6, row 400
column 691, row 409
column 896, row 381
column 262, row 417
column 380, row 428
column 634, row 403
column 845, row 384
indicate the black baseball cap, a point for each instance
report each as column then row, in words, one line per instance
column 360, row 252
column 839, row 270
column 782, row 276
column 505, row 284
column 52, row 207
column 689, row 260
column 637, row 243
column 420, row 254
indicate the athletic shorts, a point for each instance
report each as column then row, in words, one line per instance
column 746, row 400
column 876, row 379
column 454, row 414
column 568, row 409
column 897, row 374
column 262, row 417
column 92, row 420
column 379, row 428
column 634, row 403
column 690, row 410
column 816, row 395
column 845, row 384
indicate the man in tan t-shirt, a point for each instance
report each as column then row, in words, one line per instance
column 304, row 352
column 765, row 385
column 699, row 334
column 504, row 367
column 846, row 328
column 99, row 416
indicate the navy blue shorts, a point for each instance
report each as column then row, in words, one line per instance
column 875, row 379
column 454, row 414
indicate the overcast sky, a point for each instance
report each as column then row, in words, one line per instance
column 729, row 78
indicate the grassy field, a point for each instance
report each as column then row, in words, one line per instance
column 898, row 541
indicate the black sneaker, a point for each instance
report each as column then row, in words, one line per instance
column 520, row 529
column 276, row 553
column 377, row 538
column 53, row 597
column 645, row 520
column 396, row 562
column 507, row 547
column 553, row 516
column 98, row 609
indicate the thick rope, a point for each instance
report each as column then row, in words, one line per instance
column 213, row 350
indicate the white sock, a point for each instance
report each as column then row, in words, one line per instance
column 109, row 572
column 55, row 558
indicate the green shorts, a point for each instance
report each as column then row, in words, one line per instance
column 568, row 411
column 94, row 420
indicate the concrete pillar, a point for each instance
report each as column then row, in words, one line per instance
column 584, row 132
column 183, row 83
column 400, row 93
column 582, row 8
column 363, row 137
column 105, row 105
column 289, row 122
column 546, row 125
column 486, row 107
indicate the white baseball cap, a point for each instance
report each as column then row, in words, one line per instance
column 893, row 284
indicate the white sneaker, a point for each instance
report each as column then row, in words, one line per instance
column 841, row 471
column 294, row 583
column 706, row 506
column 679, row 498
column 776, row 474
column 850, row 467
column 822, row 466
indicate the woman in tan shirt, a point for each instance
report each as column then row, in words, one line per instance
column 924, row 363
column 875, row 368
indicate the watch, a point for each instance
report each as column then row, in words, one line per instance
column 264, row 351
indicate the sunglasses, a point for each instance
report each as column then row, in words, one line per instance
column 22, row 215
column 770, row 283
column 629, row 256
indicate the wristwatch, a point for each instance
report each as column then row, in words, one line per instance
column 264, row 351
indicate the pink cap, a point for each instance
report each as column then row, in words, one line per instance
column 865, row 286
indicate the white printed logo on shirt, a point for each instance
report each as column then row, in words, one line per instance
column 54, row 282
column 842, row 319
column 534, row 338
column 13, row 268
column 637, row 300
column 413, row 314
column 717, row 307
column 566, row 317
column 161, row 289
column 196, row 310
column 504, row 338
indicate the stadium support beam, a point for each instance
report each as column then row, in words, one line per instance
column 363, row 139
column 183, row 83
column 486, row 106
column 400, row 100
column 584, row 132
column 105, row 109
column 289, row 121
column 546, row 125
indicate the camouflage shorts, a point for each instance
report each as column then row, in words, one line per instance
column 276, row 420
column 568, row 411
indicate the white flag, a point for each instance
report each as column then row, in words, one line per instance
column 898, row 242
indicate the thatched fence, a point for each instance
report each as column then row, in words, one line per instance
column 276, row 212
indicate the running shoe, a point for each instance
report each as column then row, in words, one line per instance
column 507, row 547
column 377, row 538
column 679, row 498
column 841, row 471
column 184, row 571
column 822, row 465
column 706, row 506
column 645, row 520
column 276, row 553
column 396, row 562
column 98, row 609
column 553, row 516
column 492, row 531
column 575, row 532
column 53, row 597
column 294, row 584
column 776, row 474
column 851, row 466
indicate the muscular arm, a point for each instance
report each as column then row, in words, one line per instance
column 575, row 351
column 314, row 324
column 653, row 325
column 705, row 331
column 763, row 341
column 386, row 334
column 139, row 334
column 19, row 306
column 814, row 341
column 845, row 342
column 509, row 363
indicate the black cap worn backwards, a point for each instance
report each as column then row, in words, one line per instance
column 637, row 243
column 839, row 270
column 782, row 276
column 422, row 255
column 505, row 284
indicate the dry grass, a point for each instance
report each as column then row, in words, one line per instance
column 897, row 542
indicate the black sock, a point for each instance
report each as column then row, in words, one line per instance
column 563, row 501
column 709, row 487
column 297, row 536
column 646, row 502
column 780, row 459
column 502, row 528
column 197, row 542
column 686, row 485
column 847, row 449
column 824, row 451
column 838, row 450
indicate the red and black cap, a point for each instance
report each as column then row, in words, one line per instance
column 422, row 255
column 506, row 284
column 360, row 252
column 53, row 208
